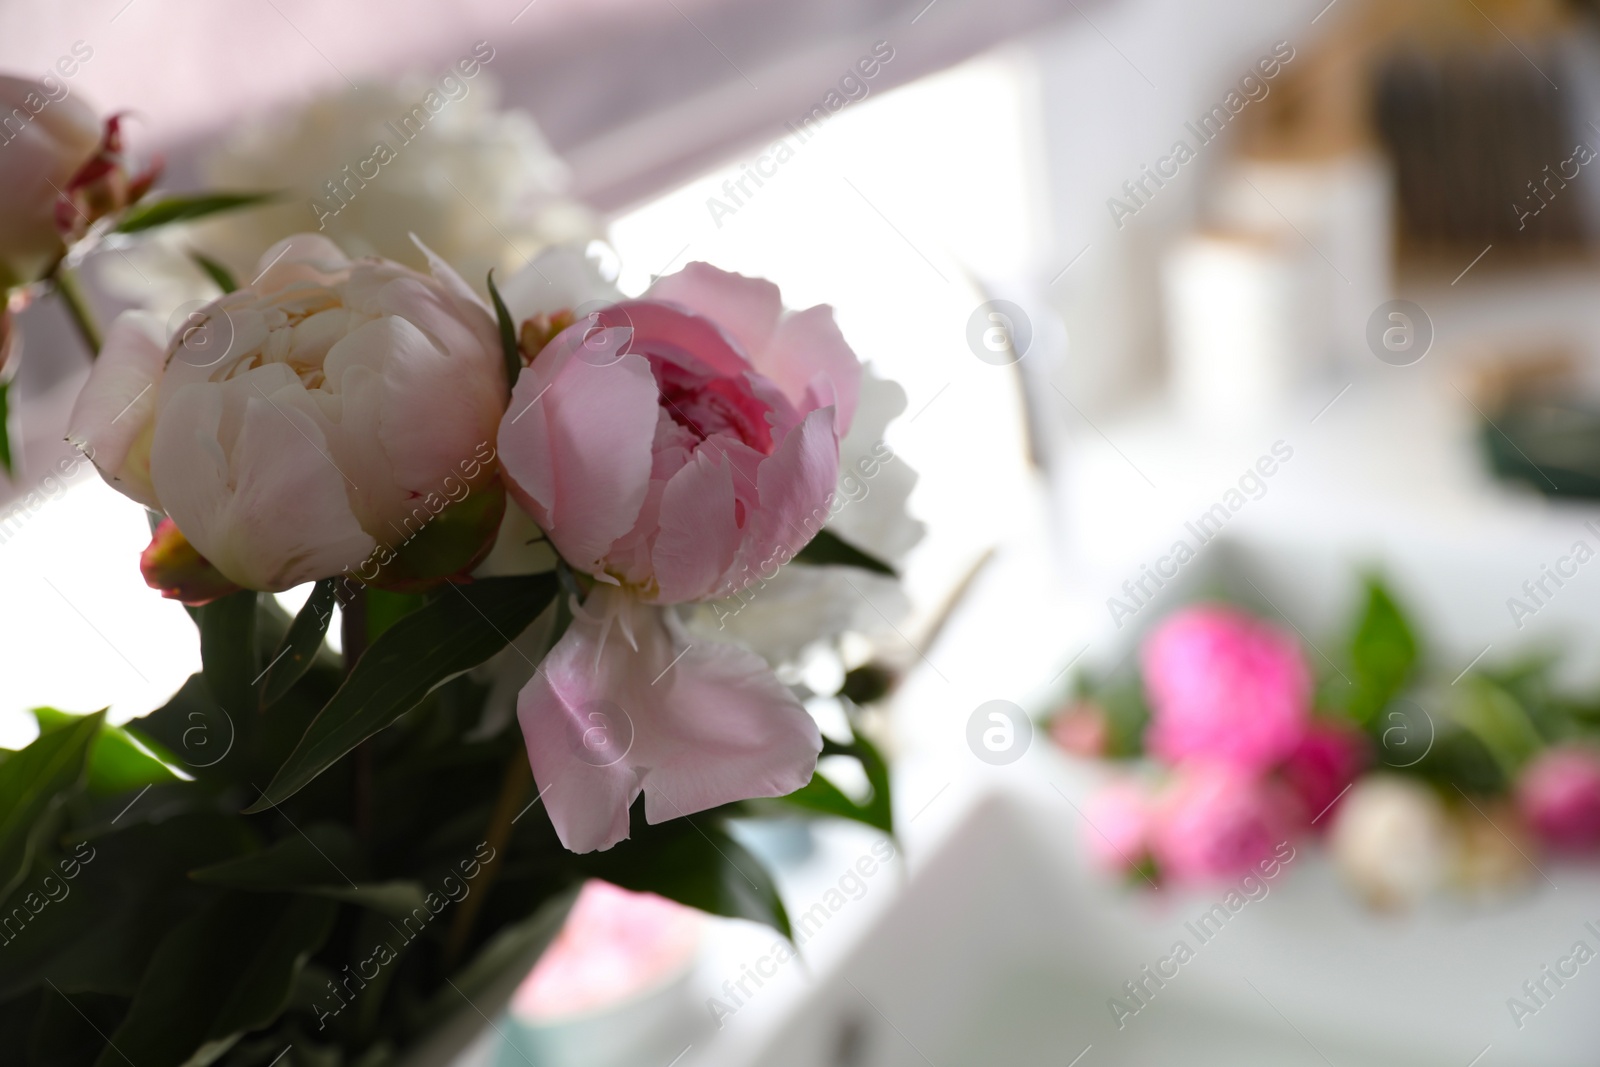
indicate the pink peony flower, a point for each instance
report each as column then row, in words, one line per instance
column 1118, row 834
column 1226, row 687
column 1328, row 759
column 673, row 447
column 1559, row 796
column 1215, row 822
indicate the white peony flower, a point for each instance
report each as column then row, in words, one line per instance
column 311, row 423
column 477, row 185
column 1393, row 841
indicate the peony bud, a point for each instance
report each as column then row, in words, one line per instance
column 104, row 185
column 1559, row 795
column 171, row 565
column 46, row 137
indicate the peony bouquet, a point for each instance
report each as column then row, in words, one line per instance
column 1232, row 748
column 532, row 510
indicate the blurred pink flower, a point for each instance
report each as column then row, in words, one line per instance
column 1118, row 836
column 1559, row 795
column 1328, row 759
column 1215, row 822
column 613, row 946
column 1224, row 687
column 1081, row 729
column 679, row 447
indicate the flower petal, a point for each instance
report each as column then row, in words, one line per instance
column 796, row 483
column 110, row 421
column 690, row 726
column 698, row 531
column 747, row 309
column 558, row 278
column 811, row 362
column 578, row 456
column 237, row 517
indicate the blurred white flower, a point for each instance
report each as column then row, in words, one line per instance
column 1393, row 841
column 478, row 185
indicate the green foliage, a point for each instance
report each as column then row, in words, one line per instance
column 822, row 797
column 117, row 762
column 169, row 209
column 300, row 644
column 6, row 462
column 829, row 549
column 1383, row 653
column 34, row 784
column 509, row 350
column 220, row 275
column 459, row 629
column 140, row 902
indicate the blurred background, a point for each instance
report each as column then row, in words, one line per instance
column 1116, row 252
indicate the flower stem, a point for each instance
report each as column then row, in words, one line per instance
column 513, row 787
column 353, row 642
column 78, row 310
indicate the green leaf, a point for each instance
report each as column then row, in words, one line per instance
column 219, row 274
column 324, row 861
column 5, row 429
column 1500, row 722
column 117, row 763
column 491, row 976
column 1383, row 653
column 228, row 649
column 694, row 861
column 229, row 969
column 829, row 549
column 33, row 783
column 299, row 646
column 170, row 209
column 114, row 896
column 508, row 335
column 460, row 628
column 822, row 796
column 197, row 731
column 70, row 1029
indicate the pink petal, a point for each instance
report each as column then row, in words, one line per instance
column 690, row 726
column 811, row 362
column 747, row 309
column 691, row 340
column 796, row 484
column 117, row 403
column 698, row 532
column 575, row 446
